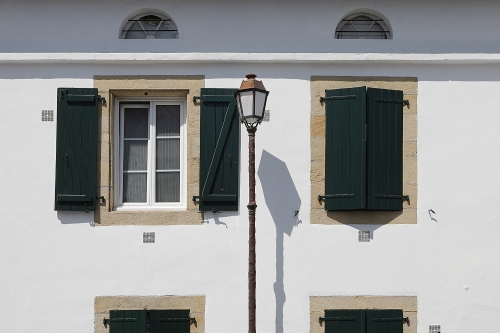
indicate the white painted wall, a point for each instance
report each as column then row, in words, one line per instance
column 51, row 271
column 53, row 264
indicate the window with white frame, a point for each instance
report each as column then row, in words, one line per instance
column 151, row 163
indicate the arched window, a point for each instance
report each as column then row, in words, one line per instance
column 150, row 26
column 362, row 26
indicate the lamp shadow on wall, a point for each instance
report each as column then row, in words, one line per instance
column 283, row 202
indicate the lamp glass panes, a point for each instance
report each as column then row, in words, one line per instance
column 251, row 100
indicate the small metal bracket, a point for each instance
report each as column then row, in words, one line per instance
column 196, row 198
column 406, row 198
column 101, row 198
column 196, row 98
column 101, row 99
column 105, row 322
column 215, row 211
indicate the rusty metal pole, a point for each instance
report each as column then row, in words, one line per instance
column 252, row 207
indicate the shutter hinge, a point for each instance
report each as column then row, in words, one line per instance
column 100, row 197
column 196, row 98
column 61, row 93
column 107, row 321
column 390, row 196
column 403, row 319
column 196, row 198
column 396, row 101
column 190, row 320
column 334, row 196
column 323, row 99
column 101, row 99
column 322, row 319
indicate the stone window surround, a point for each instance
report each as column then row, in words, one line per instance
column 195, row 303
column 408, row 215
column 318, row 305
column 111, row 87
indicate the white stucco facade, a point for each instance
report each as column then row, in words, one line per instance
column 54, row 264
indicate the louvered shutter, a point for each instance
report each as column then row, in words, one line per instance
column 169, row 321
column 127, row 321
column 76, row 153
column 345, row 149
column 219, row 150
column 385, row 149
column 384, row 321
column 344, row 321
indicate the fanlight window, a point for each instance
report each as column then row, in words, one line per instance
column 362, row 26
column 150, row 26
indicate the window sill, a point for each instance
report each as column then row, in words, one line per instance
column 150, row 208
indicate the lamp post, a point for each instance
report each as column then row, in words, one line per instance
column 251, row 100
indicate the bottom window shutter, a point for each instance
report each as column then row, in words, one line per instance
column 127, row 321
column 219, row 150
column 171, row 321
column 344, row 321
column 384, row 321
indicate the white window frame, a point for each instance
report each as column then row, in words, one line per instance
column 150, row 203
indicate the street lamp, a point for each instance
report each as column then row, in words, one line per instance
column 251, row 100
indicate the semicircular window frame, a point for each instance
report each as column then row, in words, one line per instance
column 150, row 25
column 363, row 26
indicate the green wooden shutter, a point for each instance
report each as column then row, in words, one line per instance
column 344, row 321
column 345, row 176
column 76, row 153
column 127, row 321
column 384, row 321
column 385, row 149
column 219, row 150
column 169, row 321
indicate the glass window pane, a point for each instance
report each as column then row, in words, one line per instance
column 168, row 120
column 168, row 187
column 135, row 155
column 168, row 153
column 134, row 187
column 135, row 123
column 135, row 32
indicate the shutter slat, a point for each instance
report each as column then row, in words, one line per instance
column 76, row 153
column 219, row 150
column 385, row 150
column 345, row 149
